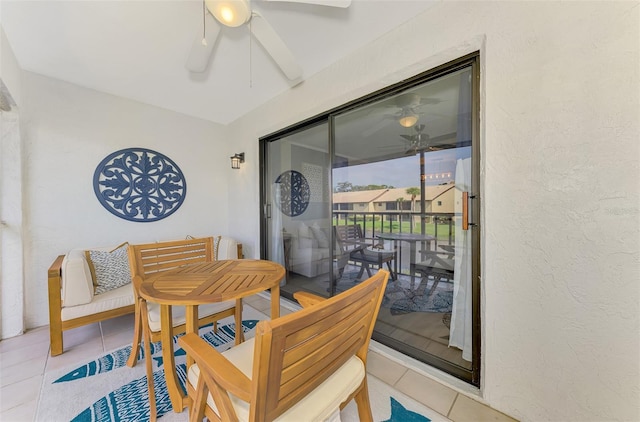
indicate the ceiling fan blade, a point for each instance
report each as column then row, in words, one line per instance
column 374, row 128
column 277, row 49
column 200, row 54
column 429, row 100
column 330, row 3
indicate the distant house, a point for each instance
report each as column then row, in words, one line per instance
column 437, row 199
column 359, row 201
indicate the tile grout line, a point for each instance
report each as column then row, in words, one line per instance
column 455, row 399
column 395, row 384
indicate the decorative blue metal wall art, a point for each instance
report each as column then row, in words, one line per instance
column 294, row 193
column 139, row 184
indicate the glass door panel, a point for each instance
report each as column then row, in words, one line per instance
column 298, row 210
column 389, row 181
column 401, row 175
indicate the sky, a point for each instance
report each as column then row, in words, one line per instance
column 401, row 172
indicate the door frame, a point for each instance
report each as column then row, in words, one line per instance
column 473, row 60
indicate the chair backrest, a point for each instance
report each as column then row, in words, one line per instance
column 349, row 237
column 296, row 353
column 151, row 258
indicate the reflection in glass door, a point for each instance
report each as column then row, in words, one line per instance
column 298, row 212
column 388, row 182
column 402, row 175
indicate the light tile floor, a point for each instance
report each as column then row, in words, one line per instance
column 25, row 359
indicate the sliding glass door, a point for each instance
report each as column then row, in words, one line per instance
column 402, row 173
column 389, row 181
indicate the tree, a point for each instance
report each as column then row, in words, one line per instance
column 344, row 187
column 413, row 192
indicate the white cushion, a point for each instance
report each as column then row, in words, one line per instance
column 227, row 248
column 77, row 284
column 304, row 231
column 178, row 312
column 320, row 235
column 118, row 298
column 319, row 405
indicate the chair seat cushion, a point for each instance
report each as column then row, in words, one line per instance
column 319, row 405
column 435, row 265
column 366, row 255
column 178, row 312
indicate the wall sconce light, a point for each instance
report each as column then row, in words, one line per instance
column 236, row 159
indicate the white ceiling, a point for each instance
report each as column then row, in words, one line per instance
column 137, row 49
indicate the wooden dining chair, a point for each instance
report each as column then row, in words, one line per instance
column 148, row 259
column 303, row 366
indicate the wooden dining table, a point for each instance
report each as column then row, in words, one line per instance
column 198, row 284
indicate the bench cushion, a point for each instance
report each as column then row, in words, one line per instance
column 117, row 298
column 77, row 284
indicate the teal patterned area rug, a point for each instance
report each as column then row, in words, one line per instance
column 106, row 390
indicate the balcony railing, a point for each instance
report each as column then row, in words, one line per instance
column 440, row 225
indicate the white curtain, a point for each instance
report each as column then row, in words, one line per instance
column 277, row 243
column 461, row 328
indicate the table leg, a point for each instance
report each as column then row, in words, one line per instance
column 275, row 301
column 238, row 318
column 166, row 336
column 412, row 263
column 395, row 264
column 191, row 325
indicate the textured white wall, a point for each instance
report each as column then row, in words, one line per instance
column 560, row 189
column 9, row 69
column 68, row 131
column 11, row 209
column 11, row 227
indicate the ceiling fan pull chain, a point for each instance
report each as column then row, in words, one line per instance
column 204, row 25
column 250, row 60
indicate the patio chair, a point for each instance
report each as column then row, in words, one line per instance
column 303, row 366
column 351, row 242
column 437, row 265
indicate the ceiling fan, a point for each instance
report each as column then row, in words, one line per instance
column 408, row 111
column 419, row 142
column 234, row 13
column 409, row 104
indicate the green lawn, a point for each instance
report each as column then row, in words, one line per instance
column 402, row 227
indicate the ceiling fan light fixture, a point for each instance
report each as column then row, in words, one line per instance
column 408, row 119
column 230, row 12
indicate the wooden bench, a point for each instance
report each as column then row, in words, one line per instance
column 71, row 272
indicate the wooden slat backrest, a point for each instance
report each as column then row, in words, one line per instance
column 296, row 353
column 150, row 258
column 350, row 238
column 350, row 232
